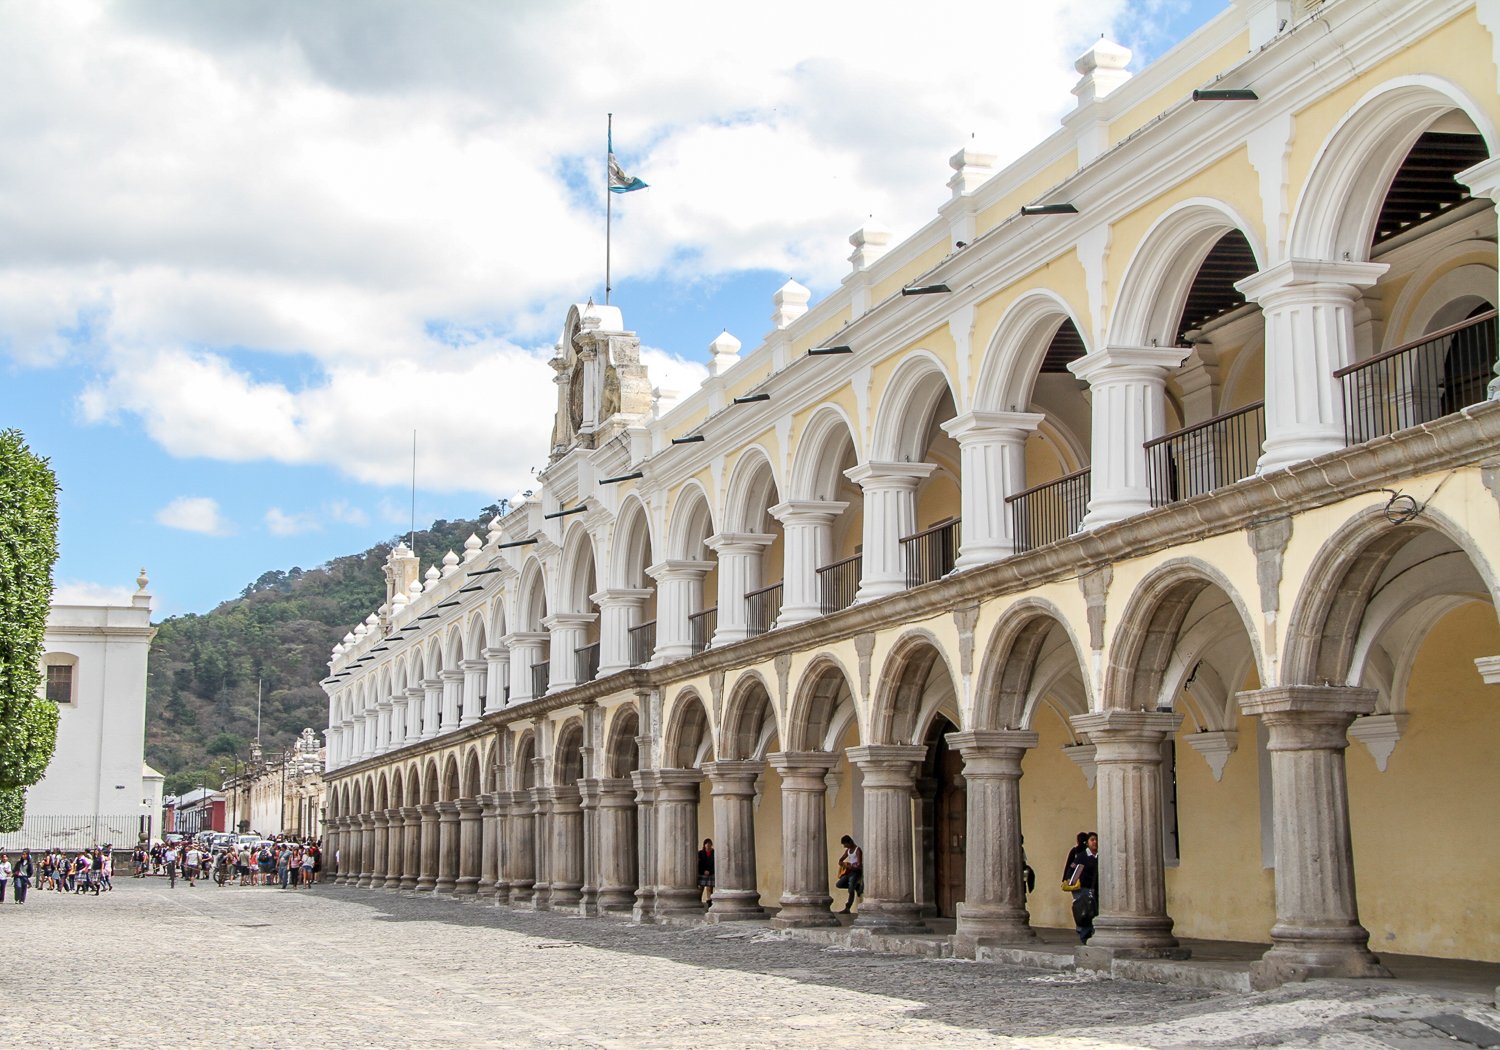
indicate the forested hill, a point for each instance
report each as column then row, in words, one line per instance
column 200, row 700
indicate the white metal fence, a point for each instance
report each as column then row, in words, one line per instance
column 73, row 833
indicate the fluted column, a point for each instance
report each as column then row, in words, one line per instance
column 453, row 690
column 526, row 650
column 739, row 573
column 565, row 872
column 617, row 845
column 383, row 733
column 889, row 777
column 679, row 594
column 992, row 458
column 428, row 868
column 382, row 848
column 340, row 850
column 520, row 856
column 1317, row 931
column 994, row 904
column 432, row 706
column 398, row 719
column 676, row 808
column 1133, row 917
column 619, row 611
column 447, row 869
column 1127, row 388
column 808, row 527
column 588, row 791
column 804, row 838
column 489, row 848
column 411, row 847
column 367, row 850
column 569, row 634
column 469, row 857
column 732, row 787
column 497, row 677
column 541, row 808
column 394, row 848
column 475, row 672
column 415, row 696
column 890, row 512
column 1308, row 310
column 646, row 783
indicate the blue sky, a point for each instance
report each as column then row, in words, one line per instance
column 247, row 248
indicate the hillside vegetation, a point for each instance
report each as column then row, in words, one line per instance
column 200, row 700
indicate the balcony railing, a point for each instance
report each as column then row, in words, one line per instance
column 1205, row 456
column 642, row 643
column 1046, row 513
column 1420, row 381
column 837, row 584
column 541, row 678
column 930, row 553
column 586, row 662
column 761, row 608
column 701, row 628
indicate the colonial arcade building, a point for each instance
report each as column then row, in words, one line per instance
column 1152, row 486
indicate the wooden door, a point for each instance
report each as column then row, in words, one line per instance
column 952, row 826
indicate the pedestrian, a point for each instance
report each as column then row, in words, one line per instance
column 1081, row 879
column 193, row 860
column 169, row 864
column 4, row 874
column 706, row 870
column 283, row 858
column 308, row 861
column 851, row 871
column 21, row 873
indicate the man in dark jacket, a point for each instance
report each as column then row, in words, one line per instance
column 22, row 873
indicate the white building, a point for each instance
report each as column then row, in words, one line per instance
column 98, row 787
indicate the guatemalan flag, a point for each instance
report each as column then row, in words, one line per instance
column 619, row 182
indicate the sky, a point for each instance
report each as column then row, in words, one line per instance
column 248, row 248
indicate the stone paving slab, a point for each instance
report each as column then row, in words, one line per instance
column 341, row 967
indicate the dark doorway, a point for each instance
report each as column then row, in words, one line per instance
column 943, row 774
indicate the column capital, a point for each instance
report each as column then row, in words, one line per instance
column 620, row 596
column 1299, row 276
column 808, row 511
column 473, row 666
column 410, row 813
column 1128, row 362
column 450, row 674
column 881, row 474
column 1483, row 179
column 993, row 752
column 991, row 426
column 525, row 639
column 446, row 810
column 1125, row 728
column 791, row 762
column 566, row 620
column 495, row 653
column 1307, row 717
column 739, row 542
column 678, row 569
column 733, row 777
column 887, row 765
column 468, row 807
column 428, row 809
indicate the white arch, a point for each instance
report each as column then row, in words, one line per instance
column 753, row 488
column 633, row 547
column 1426, row 306
column 1008, row 373
column 815, row 474
column 692, row 522
column 903, row 417
column 578, row 560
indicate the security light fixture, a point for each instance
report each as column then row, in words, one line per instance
column 1049, row 209
column 926, row 289
column 516, row 543
column 484, row 572
column 428, row 616
column 449, row 605
column 1224, row 95
column 748, row 399
column 566, row 511
column 623, row 477
column 689, row 440
column 471, row 587
column 828, row 351
column 381, row 649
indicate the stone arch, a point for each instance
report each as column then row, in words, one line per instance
column 473, row 776
column 567, row 756
column 579, row 570
column 633, row 546
column 1165, row 264
column 475, row 637
column 1431, row 301
column 1151, row 626
column 815, row 472
column 752, row 490
column 622, row 753
column 397, row 794
column 1013, row 360
column 749, row 717
column 382, row 791
column 526, row 753
column 413, row 785
column 453, row 648
column 1335, row 215
column 692, row 523
column 497, row 626
column 451, row 788
column 907, row 406
column 916, row 682
column 1007, row 692
column 688, row 740
column 430, row 786
column 1327, row 619
column 821, row 706
column 531, row 597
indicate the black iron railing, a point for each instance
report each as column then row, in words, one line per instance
column 930, row 553
column 701, row 628
column 1049, row 512
column 586, row 662
column 1419, row 381
column 837, row 584
column 541, row 678
column 642, row 643
column 761, row 608
column 1204, row 456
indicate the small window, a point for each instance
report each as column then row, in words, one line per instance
column 60, row 683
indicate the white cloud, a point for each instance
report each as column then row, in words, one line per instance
column 280, row 523
column 86, row 592
column 195, row 514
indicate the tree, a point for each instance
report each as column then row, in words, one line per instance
column 28, row 547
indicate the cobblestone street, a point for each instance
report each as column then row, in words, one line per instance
column 336, row 967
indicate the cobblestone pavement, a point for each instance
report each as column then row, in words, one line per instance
column 355, row 968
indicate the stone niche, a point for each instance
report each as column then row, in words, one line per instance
column 602, row 387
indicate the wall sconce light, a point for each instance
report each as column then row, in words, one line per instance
column 1048, row 209
column 1224, row 95
column 926, row 289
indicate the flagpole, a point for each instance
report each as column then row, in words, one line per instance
column 609, row 203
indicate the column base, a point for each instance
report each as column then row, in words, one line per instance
column 486, row 888
column 564, row 898
column 890, row 917
column 991, row 925
column 392, row 882
column 1304, row 954
column 644, row 907
column 444, row 885
column 425, row 883
column 1131, row 933
column 735, row 906
column 1089, row 957
column 407, row 884
column 799, row 913
column 679, row 903
column 466, row 887
column 618, row 901
column 520, row 895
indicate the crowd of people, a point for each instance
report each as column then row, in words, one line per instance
column 88, row 871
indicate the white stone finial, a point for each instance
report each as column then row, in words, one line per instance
column 789, row 303
column 432, row 574
column 472, row 547
column 870, row 242
column 398, row 602
column 450, row 563
column 142, row 581
column 361, row 631
column 494, row 525
column 372, row 620
column 723, row 353
column 349, row 638
column 971, row 167
column 337, row 649
column 1102, row 69
column 663, row 400
column 416, row 589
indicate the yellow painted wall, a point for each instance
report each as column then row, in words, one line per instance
column 1056, row 804
column 820, row 334
column 1026, row 192
column 1199, row 75
column 921, row 264
column 768, row 838
column 840, row 814
column 1426, row 831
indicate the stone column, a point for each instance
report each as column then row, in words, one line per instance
column 1308, row 310
column 427, row 872
column 1317, row 931
column 679, row 594
column 447, row 859
column 432, row 709
column 520, row 856
column 541, row 808
column 415, row 697
column 992, row 456
column 453, row 688
column 380, row 847
column 994, row 905
column 619, row 611
column 1127, row 388
column 732, row 787
column 525, row 653
column 565, row 870
column 808, row 527
column 340, row 849
column 890, row 512
column 411, row 856
column 739, row 573
column 617, row 845
column 489, row 849
column 383, row 732
column 497, row 677
column 588, row 791
column 475, row 672
column 1133, row 920
column 398, row 720
column 394, row 846
column 469, row 842
column 804, row 838
column 677, row 892
column 367, row 850
column 569, row 634
column 1483, row 180
column 646, row 784
column 889, row 775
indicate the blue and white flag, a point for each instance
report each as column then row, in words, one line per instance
column 619, row 182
